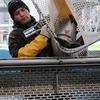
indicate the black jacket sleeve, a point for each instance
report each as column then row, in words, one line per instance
column 16, row 41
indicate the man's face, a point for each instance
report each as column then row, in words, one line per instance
column 22, row 15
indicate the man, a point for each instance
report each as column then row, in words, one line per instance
column 20, row 45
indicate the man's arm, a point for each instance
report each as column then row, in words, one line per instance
column 35, row 46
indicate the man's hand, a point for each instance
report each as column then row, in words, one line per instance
column 45, row 32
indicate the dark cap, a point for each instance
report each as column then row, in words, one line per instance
column 13, row 5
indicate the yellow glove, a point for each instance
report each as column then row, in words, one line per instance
column 34, row 47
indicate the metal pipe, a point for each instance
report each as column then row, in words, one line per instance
column 48, row 61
